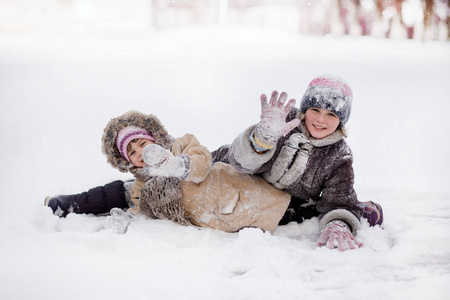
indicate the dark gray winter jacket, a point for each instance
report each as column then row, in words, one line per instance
column 311, row 169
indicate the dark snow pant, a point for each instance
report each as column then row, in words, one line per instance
column 298, row 211
column 98, row 200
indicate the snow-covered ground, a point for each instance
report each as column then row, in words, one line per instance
column 58, row 93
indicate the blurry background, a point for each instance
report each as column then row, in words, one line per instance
column 418, row 19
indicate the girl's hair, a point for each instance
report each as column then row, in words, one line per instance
column 343, row 130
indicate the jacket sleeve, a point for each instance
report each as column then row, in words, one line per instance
column 221, row 154
column 243, row 157
column 199, row 157
column 339, row 200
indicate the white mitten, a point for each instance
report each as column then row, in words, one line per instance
column 338, row 235
column 161, row 162
column 272, row 124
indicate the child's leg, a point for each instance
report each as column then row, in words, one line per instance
column 298, row 211
column 97, row 200
column 373, row 212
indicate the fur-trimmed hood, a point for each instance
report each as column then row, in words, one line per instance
column 136, row 118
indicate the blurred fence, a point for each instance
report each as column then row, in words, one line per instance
column 419, row 19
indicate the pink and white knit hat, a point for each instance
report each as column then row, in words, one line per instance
column 329, row 92
column 129, row 133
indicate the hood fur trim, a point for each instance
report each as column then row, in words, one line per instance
column 136, row 118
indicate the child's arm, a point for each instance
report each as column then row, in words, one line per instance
column 199, row 157
column 243, row 156
column 188, row 160
column 254, row 147
column 339, row 222
column 339, row 200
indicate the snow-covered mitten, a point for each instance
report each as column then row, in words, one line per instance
column 338, row 235
column 161, row 162
column 119, row 220
column 272, row 124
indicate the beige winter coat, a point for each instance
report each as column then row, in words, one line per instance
column 220, row 197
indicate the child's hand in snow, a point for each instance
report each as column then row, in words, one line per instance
column 337, row 235
column 273, row 124
column 161, row 162
column 119, row 220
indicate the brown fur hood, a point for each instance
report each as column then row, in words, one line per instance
column 136, row 118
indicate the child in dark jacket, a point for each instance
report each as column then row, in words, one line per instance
column 303, row 151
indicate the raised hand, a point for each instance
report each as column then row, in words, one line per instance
column 272, row 124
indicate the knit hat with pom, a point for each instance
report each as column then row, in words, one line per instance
column 129, row 133
column 329, row 92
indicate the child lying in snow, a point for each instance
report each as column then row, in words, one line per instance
column 176, row 180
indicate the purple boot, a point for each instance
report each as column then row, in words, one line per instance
column 372, row 212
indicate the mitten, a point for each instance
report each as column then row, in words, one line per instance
column 338, row 235
column 161, row 162
column 272, row 124
column 119, row 220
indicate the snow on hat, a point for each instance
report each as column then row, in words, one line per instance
column 329, row 92
column 129, row 133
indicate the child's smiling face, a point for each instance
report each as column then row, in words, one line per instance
column 134, row 150
column 321, row 122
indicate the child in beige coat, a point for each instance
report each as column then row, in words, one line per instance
column 176, row 180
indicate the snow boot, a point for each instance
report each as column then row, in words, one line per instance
column 61, row 205
column 373, row 212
